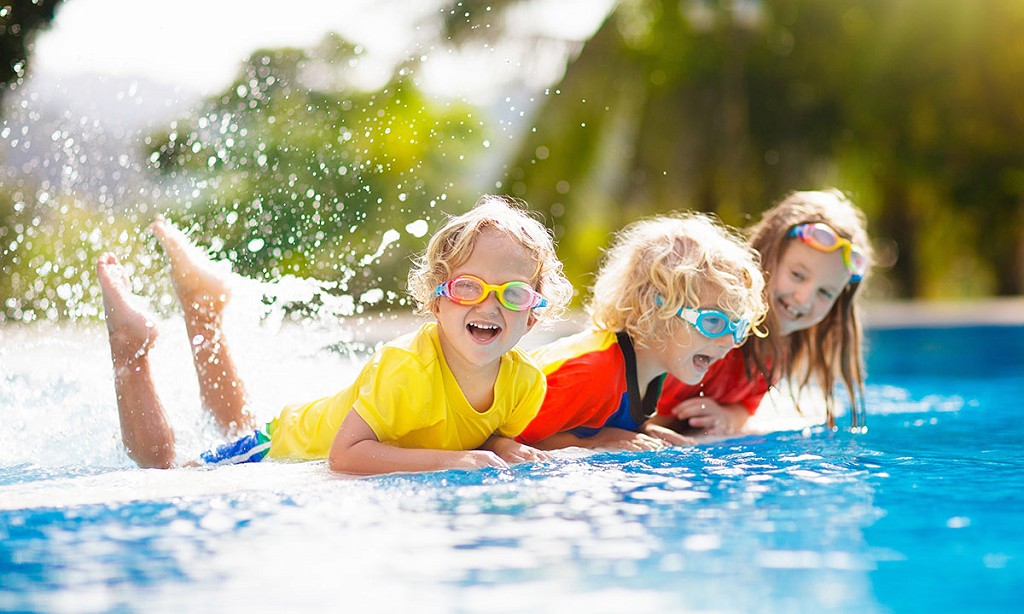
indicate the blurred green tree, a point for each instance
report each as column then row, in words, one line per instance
column 725, row 105
column 933, row 113
column 296, row 170
column 20, row 20
column 718, row 105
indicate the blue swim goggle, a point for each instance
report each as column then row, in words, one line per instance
column 713, row 323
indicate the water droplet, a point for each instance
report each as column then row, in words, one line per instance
column 417, row 229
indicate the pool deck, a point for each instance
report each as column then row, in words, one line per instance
column 909, row 314
column 877, row 314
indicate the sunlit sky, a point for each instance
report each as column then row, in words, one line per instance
column 198, row 45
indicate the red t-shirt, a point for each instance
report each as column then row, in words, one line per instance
column 586, row 375
column 726, row 382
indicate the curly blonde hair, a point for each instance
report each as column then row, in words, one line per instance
column 451, row 246
column 679, row 260
column 832, row 347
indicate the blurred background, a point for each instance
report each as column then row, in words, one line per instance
column 309, row 140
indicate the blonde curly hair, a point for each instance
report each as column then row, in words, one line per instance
column 679, row 260
column 451, row 246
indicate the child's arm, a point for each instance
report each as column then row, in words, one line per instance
column 609, row 437
column 511, row 451
column 356, row 450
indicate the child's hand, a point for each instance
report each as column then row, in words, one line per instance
column 668, row 435
column 707, row 415
column 478, row 459
column 621, row 439
column 512, row 451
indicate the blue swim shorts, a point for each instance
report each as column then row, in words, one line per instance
column 248, row 449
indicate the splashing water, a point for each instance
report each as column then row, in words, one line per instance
column 390, row 236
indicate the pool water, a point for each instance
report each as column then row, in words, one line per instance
column 921, row 513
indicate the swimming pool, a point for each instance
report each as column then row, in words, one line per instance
column 921, row 513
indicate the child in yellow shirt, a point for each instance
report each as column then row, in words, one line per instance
column 452, row 394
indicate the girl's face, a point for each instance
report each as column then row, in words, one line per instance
column 805, row 286
column 476, row 336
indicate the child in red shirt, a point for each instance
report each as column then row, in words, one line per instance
column 674, row 294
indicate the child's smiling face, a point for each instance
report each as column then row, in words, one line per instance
column 476, row 336
column 805, row 286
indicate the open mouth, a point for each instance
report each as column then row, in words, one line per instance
column 702, row 361
column 483, row 332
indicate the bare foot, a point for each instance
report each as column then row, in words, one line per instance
column 131, row 329
column 202, row 289
column 147, row 436
column 201, row 284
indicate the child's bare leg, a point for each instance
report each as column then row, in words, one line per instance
column 203, row 292
column 144, row 429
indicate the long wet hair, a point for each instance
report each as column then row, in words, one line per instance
column 833, row 347
column 677, row 260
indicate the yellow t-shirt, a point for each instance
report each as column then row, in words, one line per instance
column 408, row 395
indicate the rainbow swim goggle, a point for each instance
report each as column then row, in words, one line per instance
column 823, row 237
column 713, row 323
column 471, row 290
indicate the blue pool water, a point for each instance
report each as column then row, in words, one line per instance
column 921, row 513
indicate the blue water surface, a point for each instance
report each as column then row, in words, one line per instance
column 953, row 505
column 919, row 514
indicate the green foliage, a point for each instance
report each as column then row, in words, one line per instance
column 292, row 170
column 912, row 107
column 47, row 255
column 937, row 115
column 299, row 172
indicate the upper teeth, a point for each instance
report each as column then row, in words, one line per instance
column 491, row 326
